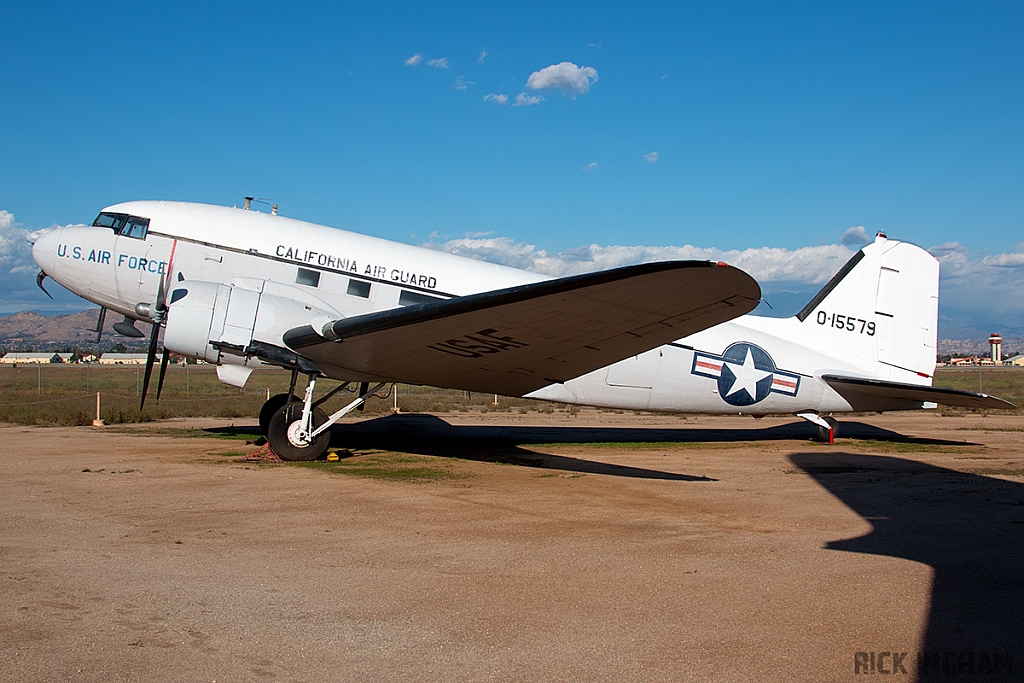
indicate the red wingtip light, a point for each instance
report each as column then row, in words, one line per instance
column 722, row 264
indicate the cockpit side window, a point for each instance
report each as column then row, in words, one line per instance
column 135, row 227
column 123, row 224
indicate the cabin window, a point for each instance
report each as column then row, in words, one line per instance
column 359, row 288
column 310, row 278
column 407, row 298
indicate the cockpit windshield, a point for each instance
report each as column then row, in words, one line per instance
column 123, row 224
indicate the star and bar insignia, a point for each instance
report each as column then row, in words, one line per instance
column 746, row 374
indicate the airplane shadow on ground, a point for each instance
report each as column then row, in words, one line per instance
column 413, row 426
column 969, row 528
column 426, row 434
column 430, row 435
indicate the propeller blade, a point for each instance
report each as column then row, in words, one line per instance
column 165, row 283
column 160, row 309
column 150, row 358
column 39, row 282
column 163, row 370
column 161, row 297
column 99, row 324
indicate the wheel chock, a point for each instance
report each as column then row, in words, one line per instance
column 262, row 454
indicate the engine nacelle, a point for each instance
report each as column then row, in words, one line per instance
column 219, row 323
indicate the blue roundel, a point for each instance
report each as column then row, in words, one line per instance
column 747, row 374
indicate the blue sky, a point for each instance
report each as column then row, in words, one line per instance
column 728, row 127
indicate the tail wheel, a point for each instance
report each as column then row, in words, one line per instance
column 272, row 405
column 828, row 435
column 283, row 432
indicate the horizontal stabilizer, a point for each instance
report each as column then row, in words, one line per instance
column 517, row 340
column 895, row 392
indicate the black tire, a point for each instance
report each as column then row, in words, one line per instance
column 272, row 405
column 823, row 434
column 277, row 434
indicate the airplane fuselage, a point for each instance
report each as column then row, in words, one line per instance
column 753, row 365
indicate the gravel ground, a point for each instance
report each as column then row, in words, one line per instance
column 587, row 547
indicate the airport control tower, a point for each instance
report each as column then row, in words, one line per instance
column 996, row 342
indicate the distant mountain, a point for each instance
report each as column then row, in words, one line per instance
column 959, row 324
column 54, row 331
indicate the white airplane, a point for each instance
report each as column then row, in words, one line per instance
column 240, row 289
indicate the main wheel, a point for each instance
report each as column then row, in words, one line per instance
column 272, row 405
column 282, row 434
column 823, row 434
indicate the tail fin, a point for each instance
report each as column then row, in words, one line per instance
column 881, row 307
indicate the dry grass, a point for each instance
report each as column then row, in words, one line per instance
column 1007, row 383
column 66, row 395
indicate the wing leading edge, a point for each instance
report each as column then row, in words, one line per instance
column 517, row 340
column 860, row 391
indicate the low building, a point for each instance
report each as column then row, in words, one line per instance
column 14, row 357
column 1016, row 360
column 125, row 359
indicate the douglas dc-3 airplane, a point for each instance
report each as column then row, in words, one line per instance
column 240, row 288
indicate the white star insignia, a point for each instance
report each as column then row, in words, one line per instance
column 747, row 377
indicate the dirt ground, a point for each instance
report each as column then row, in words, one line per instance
column 507, row 547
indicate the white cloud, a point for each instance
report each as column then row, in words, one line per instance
column 988, row 286
column 16, row 245
column 812, row 265
column 461, row 83
column 482, row 57
column 592, row 166
column 651, row 158
column 855, row 236
column 524, row 100
column 12, row 239
column 414, row 60
column 1013, row 260
column 439, row 63
column 980, row 284
column 500, row 99
column 566, row 76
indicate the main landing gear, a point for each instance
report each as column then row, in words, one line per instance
column 299, row 430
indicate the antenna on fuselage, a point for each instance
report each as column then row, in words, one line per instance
column 259, row 200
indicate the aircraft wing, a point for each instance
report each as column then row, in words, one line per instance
column 854, row 388
column 517, row 340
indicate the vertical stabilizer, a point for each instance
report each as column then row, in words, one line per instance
column 881, row 309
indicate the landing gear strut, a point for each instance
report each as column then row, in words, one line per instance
column 301, row 431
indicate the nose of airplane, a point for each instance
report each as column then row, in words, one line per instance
column 44, row 251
